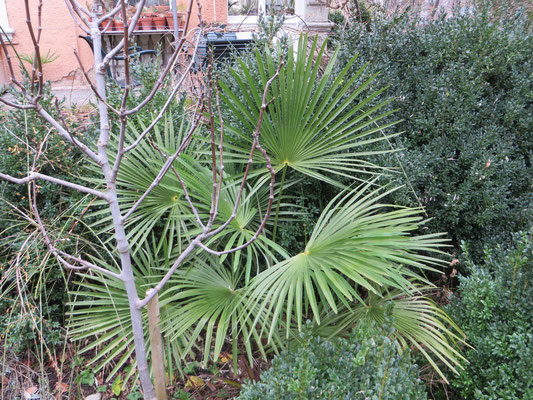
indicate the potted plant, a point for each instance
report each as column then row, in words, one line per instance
column 146, row 21
column 118, row 22
column 159, row 19
column 181, row 17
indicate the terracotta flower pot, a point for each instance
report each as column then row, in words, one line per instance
column 160, row 23
column 146, row 23
column 106, row 25
column 118, row 26
column 170, row 20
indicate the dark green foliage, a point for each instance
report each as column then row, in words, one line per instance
column 365, row 366
column 32, row 288
column 22, row 329
column 22, row 132
column 493, row 307
column 464, row 88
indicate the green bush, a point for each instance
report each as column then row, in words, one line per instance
column 463, row 87
column 365, row 366
column 493, row 307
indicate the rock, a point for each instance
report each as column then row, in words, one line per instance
column 95, row 396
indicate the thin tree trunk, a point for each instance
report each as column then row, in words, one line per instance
column 120, row 234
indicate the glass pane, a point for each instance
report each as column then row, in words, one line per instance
column 242, row 7
column 280, row 6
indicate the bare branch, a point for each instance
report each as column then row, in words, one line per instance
column 161, row 78
column 58, row 253
column 255, row 145
column 37, row 67
column 127, row 33
column 93, row 88
column 165, row 106
column 17, row 105
column 65, row 134
column 10, row 64
column 220, row 151
column 73, row 15
column 170, row 272
column 84, row 264
column 214, row 199
column 111, row 14
column 182, row 183
column 36, row 175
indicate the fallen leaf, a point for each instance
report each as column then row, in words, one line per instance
column 194, row 382
column 61, row 387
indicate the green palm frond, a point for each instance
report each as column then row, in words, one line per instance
column 208, row 300
column 418, row 321
column 165, row 206
column 100, row 311
column 357, row 247
column 314, row 124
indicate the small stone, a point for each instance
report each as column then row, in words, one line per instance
column 95, row 396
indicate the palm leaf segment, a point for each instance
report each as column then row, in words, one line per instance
column 314, row 123
column 358, row 253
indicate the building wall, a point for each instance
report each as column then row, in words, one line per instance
column 60, row 36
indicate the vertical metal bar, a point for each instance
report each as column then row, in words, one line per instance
column 175, row 20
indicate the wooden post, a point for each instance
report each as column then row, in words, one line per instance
column 156, row 345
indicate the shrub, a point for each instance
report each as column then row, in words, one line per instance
column 463, row 87
column 365, row 366
column 493, row 307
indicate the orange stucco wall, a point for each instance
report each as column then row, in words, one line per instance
column 60, row 36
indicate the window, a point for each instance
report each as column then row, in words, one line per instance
column 247, row 10
column 4, row 22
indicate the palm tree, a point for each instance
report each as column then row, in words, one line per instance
column 362, row 257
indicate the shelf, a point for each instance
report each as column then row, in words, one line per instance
column 150, row 32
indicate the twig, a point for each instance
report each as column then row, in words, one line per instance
column 182, row 183
column 32, row 176
column 93, row 88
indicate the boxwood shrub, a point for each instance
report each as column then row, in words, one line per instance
column 367, row 365
column 463, row 87
column 493, row 307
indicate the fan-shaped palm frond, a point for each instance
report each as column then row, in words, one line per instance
column 418, row 321
column 165, row 205
column 355, row 248
column 100, row 310
column 313, row 124
column 166, row 208
column 207, row 299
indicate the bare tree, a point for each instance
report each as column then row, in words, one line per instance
column 89, row 21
